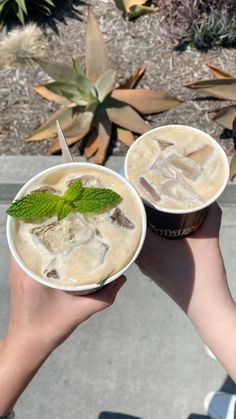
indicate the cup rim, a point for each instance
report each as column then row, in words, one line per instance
column 88, row 287
column 190, row 210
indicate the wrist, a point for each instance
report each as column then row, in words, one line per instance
column 20, row 359
column 28, row 346
column 29, row 339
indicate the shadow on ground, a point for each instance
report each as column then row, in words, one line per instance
column 59, row 13
column 228, row 386
column 113, row 415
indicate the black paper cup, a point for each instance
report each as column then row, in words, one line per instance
column 174, row 223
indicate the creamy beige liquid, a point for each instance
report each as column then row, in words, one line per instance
column 176, row 167
column 81, row 249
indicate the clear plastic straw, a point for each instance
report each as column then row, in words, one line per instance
column 66, row 155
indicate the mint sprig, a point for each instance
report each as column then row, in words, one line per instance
column 98, row 198
column 76, row 198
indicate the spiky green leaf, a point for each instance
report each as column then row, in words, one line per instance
column 58, row 71
column 70, row 91
column 105, row 84
column 20, row 14
column 22, row 5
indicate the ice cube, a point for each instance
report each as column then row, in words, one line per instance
column 160, row 167
column 119, row 218
column 87, row 180
column 149, row 189
column 46, row 188
column 186, row 166
column 163, row 144
column 94, row 219
column 178, row 191
column 201, row 154
column 89, row 256
column 60, row 236
column 51, row 270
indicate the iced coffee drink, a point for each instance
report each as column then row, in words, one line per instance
column 177, row 170
column 82, row 247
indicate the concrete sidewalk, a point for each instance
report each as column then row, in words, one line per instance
column 139, row 359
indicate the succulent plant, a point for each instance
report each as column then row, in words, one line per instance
column 135, row 8
column 92, row 105
column 203, row 24
column 222, row 87
column 20, row 9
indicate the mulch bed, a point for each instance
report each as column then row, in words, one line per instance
column 130, row 44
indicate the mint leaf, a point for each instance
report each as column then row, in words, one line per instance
column 76, row 198
column 96, row 199
column 62, row 210
column 74, row 191
column 35, row 205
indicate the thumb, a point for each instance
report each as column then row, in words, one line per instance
column 106, row 296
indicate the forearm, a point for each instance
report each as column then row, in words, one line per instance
column 215, row 321
column 19, row 362
column 213, row 311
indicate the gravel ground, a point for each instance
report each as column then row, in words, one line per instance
column 130, row 44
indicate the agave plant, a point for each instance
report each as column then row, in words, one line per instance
column 92, row 105
column 20, row 9
column 222, row 87
column 135, row 8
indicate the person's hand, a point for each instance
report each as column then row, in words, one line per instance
column 191, row 271
column 177, row 264
column 41, row 318
column 47, row 315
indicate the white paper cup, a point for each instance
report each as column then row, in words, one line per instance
column 80, row 289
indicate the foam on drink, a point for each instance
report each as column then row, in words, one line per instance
column 176, row 167
column 80, row 249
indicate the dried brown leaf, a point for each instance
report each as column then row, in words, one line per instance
column 55, row 146
column 47, row 94
column 218, row 73
column 128, row 118
column 91, row 146
column 146, row 101
column 233, row 167
column 226, row 116
column 223, row 89
column 104, row 135
column 97, row 61
column 125, row 136
column 49, row 129
column 134, row 8
column 133, row 80
column 81, row 123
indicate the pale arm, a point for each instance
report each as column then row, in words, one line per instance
column 36, row 329
column 191, row 271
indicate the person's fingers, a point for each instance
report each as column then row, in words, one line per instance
column 211, row 225
column 105, row 297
